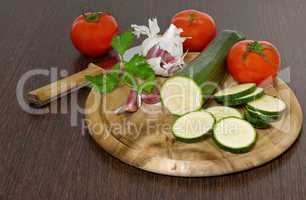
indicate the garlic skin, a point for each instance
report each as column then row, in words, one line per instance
column 172, row 42
column 164, row 52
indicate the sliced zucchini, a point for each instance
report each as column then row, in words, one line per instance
column 220, row 112
column 207, row 71
column 193, row 125
column 236, row 91
column 181, row 95
column 259, row 92
column 263, row 117
column 267, row 105
column 234, row 135
column 255, row 121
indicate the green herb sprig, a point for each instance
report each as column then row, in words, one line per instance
column 135, row 73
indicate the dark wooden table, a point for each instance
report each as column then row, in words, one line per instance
column 43, row 157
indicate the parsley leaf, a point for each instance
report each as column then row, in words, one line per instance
column 129, row 80
column 138, row 67
column 122, row 42
column 105, row 83
column 147, row 86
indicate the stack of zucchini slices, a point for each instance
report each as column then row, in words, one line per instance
column 263, row 111
column 239, row 94
column 259, row 109
column 230, row 130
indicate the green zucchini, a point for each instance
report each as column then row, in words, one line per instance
column 255, row 121
column 263, row 117
column 193, row 126
column 234, row 135
column 234, row 92
column 267, row 105
column 181, row 95
column 259, row 92
column 220, row 112
column 208, row 70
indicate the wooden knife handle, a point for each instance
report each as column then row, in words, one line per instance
column 48, row 93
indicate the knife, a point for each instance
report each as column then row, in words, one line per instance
column 46, row 94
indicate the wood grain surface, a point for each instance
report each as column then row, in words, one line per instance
column 44, row 157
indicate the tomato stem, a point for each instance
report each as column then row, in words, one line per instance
column 191, row 18
column 256, row 47
column 90, row 16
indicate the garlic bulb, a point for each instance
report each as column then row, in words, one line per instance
column 164, row 52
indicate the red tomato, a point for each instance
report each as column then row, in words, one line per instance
column 253, row 62
column 198, row 26
column 108, row 62
column 92, row 33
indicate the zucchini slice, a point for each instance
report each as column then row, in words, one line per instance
column 193, row 125
column 255, row 121
column 263, row 117
column 234, row 135
column 259, row 92
column 236, row 91
column 207, row 71
column 181, row 95
column 267, row 105
column 220, row 112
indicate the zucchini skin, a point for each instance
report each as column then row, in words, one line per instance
column 235, row 96
column 209, row 69
column 264, row 112
column 268, row 98
column 195, row 139
column 239, row 101
column 256, row 122
column 234, row 150
column 263, row 117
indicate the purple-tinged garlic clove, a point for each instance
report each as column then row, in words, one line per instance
column 151, row 98
column 131, row 104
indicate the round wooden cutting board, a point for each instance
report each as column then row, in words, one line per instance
column 143, row 139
